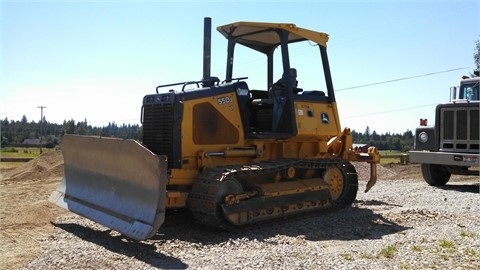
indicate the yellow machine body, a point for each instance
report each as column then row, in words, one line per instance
column 230, row 154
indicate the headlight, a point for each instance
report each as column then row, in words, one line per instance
column 423, row 137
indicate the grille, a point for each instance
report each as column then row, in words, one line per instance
column 459, row 129
column 158, row 129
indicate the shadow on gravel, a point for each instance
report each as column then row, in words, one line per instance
column 141, row 251
column 347, row 224
column 471, row 188
column 352, row 223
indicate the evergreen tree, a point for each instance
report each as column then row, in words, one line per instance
column 476, row 54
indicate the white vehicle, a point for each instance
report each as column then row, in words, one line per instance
column 452, row 145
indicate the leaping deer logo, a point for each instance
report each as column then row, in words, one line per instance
column 324, row 118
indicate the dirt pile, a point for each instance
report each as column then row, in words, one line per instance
column 47, row 165
column 25, row 212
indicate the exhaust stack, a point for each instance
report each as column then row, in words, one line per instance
column 207, row 80
column 207, row 36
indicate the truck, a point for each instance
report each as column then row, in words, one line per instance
column 451, row 146
column 229, row 154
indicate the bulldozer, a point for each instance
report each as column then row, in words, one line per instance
column 229, row 154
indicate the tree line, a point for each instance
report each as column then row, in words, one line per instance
column 388, row 141
column 50, row 134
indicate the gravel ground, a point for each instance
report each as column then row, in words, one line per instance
column 399, row 224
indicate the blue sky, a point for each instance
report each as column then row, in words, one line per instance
column 95, row 60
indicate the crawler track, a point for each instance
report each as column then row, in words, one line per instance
column 257, row 202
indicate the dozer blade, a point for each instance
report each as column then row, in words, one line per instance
column 117, row 183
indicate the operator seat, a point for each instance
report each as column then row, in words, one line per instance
column 279, row 87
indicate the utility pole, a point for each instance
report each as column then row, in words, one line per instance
column 40, row 125
column 41, row 112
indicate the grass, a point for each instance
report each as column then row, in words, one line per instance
column 389, row 251
column 347, row 256
column 387, row 157
column 417, row 248
column 470, row 252
column 467, row 234
column 448, row 247
column 445, row 243
column 32, row 152
column 366, row 256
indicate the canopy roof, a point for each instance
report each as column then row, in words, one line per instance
column 264, row 36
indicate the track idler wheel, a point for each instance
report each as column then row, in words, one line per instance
column 229, row 186
column 342, row 182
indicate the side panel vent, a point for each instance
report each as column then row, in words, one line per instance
column 158, row 129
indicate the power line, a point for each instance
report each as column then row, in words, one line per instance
column 402, row 79
column 117, row 121
column 389, row 111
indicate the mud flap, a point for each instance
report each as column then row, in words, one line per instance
column 114, row 182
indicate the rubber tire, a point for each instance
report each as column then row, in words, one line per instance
column 350, row 186
column 435, row 175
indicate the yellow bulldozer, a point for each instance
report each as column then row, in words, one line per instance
column 229, row 154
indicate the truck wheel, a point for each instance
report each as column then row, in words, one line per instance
column 435, row 175
column 342, row 183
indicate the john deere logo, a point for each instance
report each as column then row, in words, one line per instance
column 324, row 118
